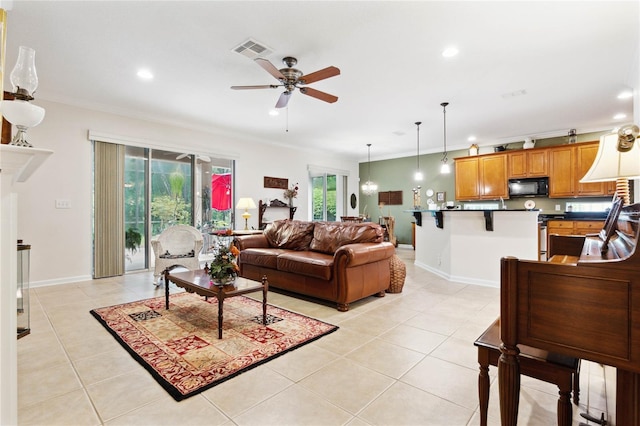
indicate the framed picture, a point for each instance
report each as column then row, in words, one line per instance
column 273, row 182
column 440, row 196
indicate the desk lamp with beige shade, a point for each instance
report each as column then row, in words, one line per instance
column 618, row 159
column 246, row 204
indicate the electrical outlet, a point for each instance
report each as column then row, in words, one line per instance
column 63, row 204
column 557, row 207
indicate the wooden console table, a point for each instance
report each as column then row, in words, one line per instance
column 262, row 208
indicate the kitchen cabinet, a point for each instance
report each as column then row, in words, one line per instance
column 485, row 177
column 567, row 165
column 481, row 177
column 562, row 172
column 466, row 171
column 585, row 156
column 574, row 227
column 528, row 163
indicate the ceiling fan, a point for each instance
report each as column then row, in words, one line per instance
column 291, row 78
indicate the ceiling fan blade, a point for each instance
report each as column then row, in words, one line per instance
column 283, row 100
column 263, row 86
column 320, row 75
column 318, row 94
column 270, row 68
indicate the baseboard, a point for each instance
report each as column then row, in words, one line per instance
column 458, row 278
column 58, row 281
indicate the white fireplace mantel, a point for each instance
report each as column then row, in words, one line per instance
column 17, row 164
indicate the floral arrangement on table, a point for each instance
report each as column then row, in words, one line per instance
column 291, row 193
column 224, row 266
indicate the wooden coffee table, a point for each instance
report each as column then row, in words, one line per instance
column 200, row 283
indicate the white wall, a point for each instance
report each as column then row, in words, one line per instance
column 61, row 239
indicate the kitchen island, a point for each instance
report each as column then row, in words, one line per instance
column 466, row 245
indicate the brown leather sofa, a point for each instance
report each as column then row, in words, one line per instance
column 336, row 261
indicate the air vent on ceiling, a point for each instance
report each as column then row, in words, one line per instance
column 253, row 49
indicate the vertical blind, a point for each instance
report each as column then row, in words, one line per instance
column 108, row 202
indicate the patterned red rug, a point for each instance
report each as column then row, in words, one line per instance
column 180, row 347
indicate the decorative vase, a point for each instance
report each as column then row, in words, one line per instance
column 290, row 202
column 221, row 282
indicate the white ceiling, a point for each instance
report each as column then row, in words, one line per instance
column 571, row 58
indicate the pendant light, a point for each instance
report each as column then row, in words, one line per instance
column 418, row 175
column 369, row 187
column 445, row 168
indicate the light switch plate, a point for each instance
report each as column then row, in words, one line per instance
column 63, row 204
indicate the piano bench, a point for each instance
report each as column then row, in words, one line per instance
column 561, row 370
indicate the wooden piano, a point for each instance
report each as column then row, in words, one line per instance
column 584, row 302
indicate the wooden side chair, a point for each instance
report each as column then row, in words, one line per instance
column 561, row 370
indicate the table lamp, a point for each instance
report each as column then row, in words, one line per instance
column 618, row 159
column 246, row 204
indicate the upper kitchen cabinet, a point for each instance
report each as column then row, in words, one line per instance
column 467, row 173
column 567, row 165
column 562, row 172
column 528, row 163
column 585, row 156
column 481, row 178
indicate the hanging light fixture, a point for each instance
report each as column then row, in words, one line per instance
column 445, row 168
column 369, row 187
column 418, row 175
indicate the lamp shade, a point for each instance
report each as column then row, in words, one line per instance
column 611, row 164
column 246, row 203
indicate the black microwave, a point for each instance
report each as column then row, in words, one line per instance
column 531, row 187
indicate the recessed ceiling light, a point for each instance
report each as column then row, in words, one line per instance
column 619, row 116
column 145, row 74
column 450, row 52
column 625, row 95
column 274, row 112
column 471, row 138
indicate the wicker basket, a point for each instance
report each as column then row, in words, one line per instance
column 398, row 273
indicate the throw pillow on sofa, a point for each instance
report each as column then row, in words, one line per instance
column 290, row 234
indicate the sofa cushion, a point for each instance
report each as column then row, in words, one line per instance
column 265, row 257
column 330, row 236
column 290, row 234
column 309, row 263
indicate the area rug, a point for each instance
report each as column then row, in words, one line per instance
column 180, row 346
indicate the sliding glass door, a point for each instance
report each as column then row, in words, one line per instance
column 164, row 188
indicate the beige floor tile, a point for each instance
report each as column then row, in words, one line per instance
column 246, row 390
column 406, row 405
column 343, row 341
column 446, row 380
column 105, row 365
column 413, row 338
column 49, row 382
column 348, row 385
column 385, row 358
column 294, row 406
column 121, row 394
column 73, row 408
column 166, row 411
column 302, row 362
column 458, row 351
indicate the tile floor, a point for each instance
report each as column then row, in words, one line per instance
column 405, row 359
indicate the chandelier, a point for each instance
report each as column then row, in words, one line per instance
column 445, row 168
